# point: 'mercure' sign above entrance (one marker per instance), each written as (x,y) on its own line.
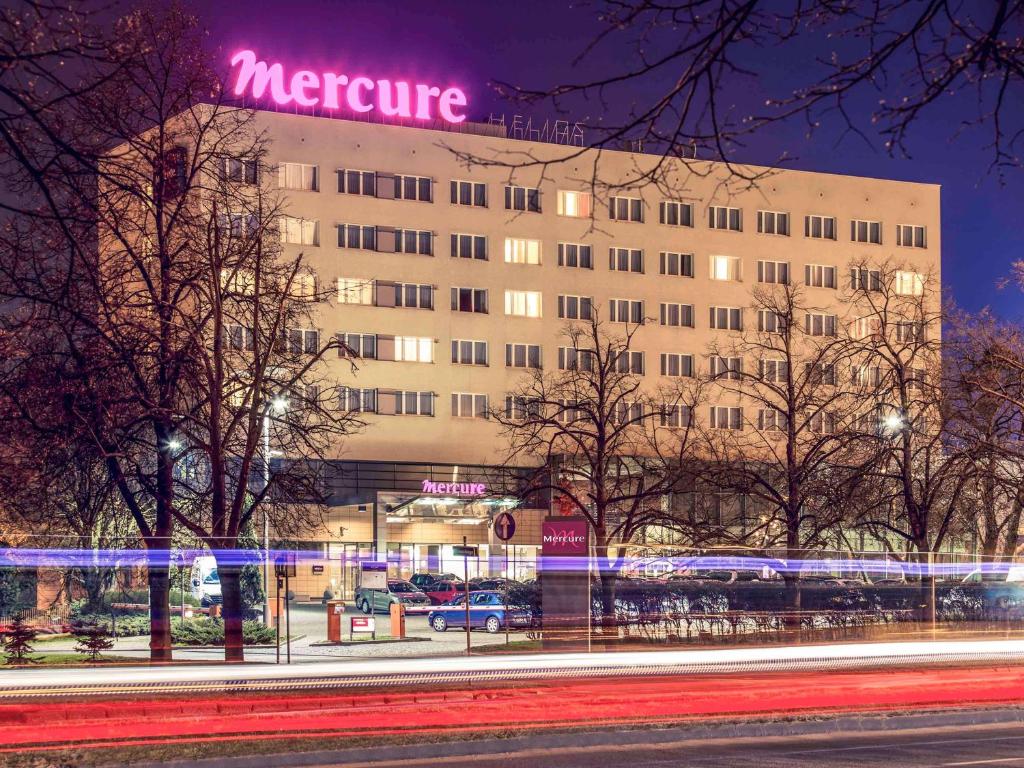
(330,90)
(455,489)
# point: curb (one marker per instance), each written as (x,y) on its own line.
(810,725)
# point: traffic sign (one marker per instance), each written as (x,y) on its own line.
(505,526)
(460,550)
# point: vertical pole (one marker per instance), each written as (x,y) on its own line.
(277,623)
(287,621)
(465,575)
(266,523)
(505,612)
(931,576)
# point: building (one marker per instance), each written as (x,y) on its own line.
(450,279)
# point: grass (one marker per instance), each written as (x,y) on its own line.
(65,659)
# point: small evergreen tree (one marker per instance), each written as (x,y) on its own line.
(92,639)
(18,641)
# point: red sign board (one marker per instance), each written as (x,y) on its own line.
(565,536)
(362,624)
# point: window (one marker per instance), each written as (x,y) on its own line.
(355,290)
(676,364)
(675,213)
(522,355)
(820,373)
(238,338)
(726,367)
(575,255)
(625,260)
(469,246)
(522,198)
(723,217)
(680,315)
(574,307)
(240,282)
(572,359)
(629,361)
(239,170)
(357,182)
(771,419)
(298,176)
(419,241)
(405,402)
(820,227)
(303,287)
(626,311)
(862,231)
(866,328)
(862,279)
(414,349)
(675,264)
(909,331)
(910,236)
(727,318)
(238,224)
(521,408)
(356,236)
(467,405)
(301,341)
(363,345)
(469,352)
(358,400)
(773,223)
(725,267)
(519,250)
(818,324)
(822,423)
(569,412)
(472,193)
(773,371)
(725,417)
(414,188)
(626,208)
(820,276)
(523,303)
(675,415)
(769,321)
(625,412)
(575,204)
(916,378)
(866,375)
(773,272)
(299,231)
(909,283)
(469,300)
(414,295)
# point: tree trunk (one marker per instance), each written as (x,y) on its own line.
(94,582)
(159,613)
(926,585)
(793,600)
(231,594)
(608,573)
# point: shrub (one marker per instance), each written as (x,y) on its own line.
(18,641)
(93,639)
(211,632)
(133,625)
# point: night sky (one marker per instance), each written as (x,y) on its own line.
(532,44)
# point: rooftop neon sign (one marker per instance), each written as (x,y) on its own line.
(331,90)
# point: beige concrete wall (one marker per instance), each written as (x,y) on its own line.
(333,144)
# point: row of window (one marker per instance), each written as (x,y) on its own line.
(572,203)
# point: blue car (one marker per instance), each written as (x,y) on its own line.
(487,610)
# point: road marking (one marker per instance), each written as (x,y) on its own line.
(905,744)
(990,762)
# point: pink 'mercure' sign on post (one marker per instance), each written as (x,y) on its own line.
(330,90)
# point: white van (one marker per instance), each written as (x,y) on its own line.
(205,581)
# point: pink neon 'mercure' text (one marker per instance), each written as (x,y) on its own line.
(357,94)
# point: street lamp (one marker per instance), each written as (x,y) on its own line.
(277,405)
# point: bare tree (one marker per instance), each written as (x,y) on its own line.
(785,439)
(612,448)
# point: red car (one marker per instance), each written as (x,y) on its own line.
(442,591)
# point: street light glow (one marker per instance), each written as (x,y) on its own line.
(279,404)
(893,422)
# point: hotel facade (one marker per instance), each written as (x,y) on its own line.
(452,279)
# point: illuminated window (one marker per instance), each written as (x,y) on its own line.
(298,176)
(725,268)
(865,327)
(355,290)
(241,282)
(522,251)
(414,349)
(523,303)
(299,231)
(909,283)
(575,204)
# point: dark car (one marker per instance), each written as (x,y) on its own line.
(487,610)
(496,583)
(424,580)
(398,591)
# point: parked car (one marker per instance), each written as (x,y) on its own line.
(205,581)
(424,580)
(398,591)
(497,583)
(487,610)
(441,592)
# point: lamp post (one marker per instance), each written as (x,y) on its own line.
(278,404)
